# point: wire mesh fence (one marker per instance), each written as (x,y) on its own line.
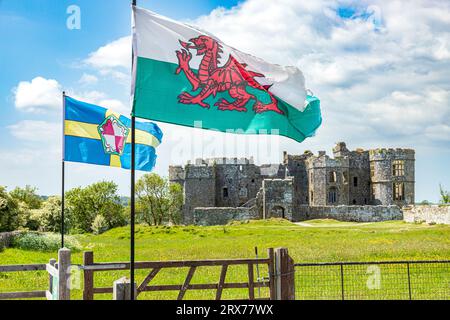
(402,280)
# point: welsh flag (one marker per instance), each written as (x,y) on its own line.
(183,75)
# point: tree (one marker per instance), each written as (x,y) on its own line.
(28,196)
(100,198)
(49,216)
(445,195)
(9,212)
(158,201)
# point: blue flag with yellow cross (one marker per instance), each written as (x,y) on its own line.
(97,135)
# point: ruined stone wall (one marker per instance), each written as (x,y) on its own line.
(177,175)
(382,177)
(6,238)
(359,178)
(241,181)
(352,213)
(320,185)
(439,214)
(296,167)
(221,216)
(278,198)
(199,189)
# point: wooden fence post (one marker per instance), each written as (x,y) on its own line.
(122,289)
(88,275)
(64,264)
(284,281)
(52,262)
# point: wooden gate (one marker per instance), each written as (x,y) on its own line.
(276,281)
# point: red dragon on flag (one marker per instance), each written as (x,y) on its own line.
(232,77)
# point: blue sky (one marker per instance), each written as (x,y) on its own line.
(379,67)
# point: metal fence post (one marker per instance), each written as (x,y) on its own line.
(409,281)
(342,281)
(64,264)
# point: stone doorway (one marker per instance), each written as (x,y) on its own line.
(277,212)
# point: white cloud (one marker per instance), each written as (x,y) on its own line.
(112,55)
(38,95)
(88,79)
(382,75)
(36,131)
(42,95)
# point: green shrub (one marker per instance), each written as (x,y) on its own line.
(99,225)
(38,241)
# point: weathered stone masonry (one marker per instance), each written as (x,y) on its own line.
(377,177)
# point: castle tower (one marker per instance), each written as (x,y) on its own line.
(328,180)
(392,176)
(176,175)
(199,189)
(358,173)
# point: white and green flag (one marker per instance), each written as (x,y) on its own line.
(182,75)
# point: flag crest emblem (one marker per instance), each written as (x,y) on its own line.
(97,135)
(114,134)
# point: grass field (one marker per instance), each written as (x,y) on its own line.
(312,241)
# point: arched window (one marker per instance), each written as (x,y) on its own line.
(332,177)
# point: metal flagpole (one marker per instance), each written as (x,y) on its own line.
(62,167)
(132,200)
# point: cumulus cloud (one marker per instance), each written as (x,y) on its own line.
(88,79)
(41,95)
(38,95)
(36,131)
(112,55)
(381,72)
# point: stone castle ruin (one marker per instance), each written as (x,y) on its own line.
(360,185)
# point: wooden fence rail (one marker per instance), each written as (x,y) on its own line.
(59,289)
(90,267)
(22,294)
(279,278)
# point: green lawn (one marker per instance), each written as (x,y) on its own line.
(313,241)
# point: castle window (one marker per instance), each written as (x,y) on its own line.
(399,191)
(312,196)
(354,201)
(355,181)
(398,168)
(332,177)
(311,176)
(253,180)
(225,192)
(240,168)
(332,195)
